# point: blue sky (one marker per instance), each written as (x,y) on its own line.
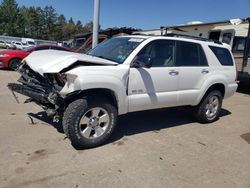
(147,14)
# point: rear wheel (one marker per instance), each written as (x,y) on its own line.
(89,124)
(209,108)
(14,64)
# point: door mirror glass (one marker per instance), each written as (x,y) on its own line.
(142,61)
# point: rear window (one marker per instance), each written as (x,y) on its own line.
(223,55)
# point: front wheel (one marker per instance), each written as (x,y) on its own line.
(14,64)
(89,124)
(209,108)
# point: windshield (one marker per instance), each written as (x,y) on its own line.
(116,49)
(30,48)
(31,43)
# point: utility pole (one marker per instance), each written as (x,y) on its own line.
(96,23)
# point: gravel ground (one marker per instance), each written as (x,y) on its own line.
(163,148)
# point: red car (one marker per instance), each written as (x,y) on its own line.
(12,58)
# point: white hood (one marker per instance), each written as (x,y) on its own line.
(53,61)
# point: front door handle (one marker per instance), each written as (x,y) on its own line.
(205,71)
(173,72)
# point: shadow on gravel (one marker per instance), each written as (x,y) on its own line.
(139,122)
(42,116)
(6,70)
(245,89)
(154,120)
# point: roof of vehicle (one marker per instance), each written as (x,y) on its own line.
(181,38)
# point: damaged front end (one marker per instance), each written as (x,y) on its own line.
(44,74)
(43,90)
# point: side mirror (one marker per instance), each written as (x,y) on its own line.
(142,61)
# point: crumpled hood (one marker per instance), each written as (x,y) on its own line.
(53,61)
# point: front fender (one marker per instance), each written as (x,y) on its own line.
(116,85)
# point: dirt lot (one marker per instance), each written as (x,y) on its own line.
(164,148)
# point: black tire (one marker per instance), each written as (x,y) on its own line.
(77,111)
(203,113)
(14,64)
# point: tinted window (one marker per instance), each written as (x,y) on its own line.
(190,54)
(239,44)
(223,55)
(226,38)
(31,43)
(161,53)
(42,48)
(58,48)
(215,35)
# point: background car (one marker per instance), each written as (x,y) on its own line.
(12,58)
(9,45)
(18,45)
(2,44)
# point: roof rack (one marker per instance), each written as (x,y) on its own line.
(192,37)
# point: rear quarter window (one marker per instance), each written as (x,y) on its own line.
(223,55)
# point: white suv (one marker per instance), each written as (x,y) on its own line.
(127,74)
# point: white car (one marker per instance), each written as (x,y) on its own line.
(19,45)
(2,44)
(9,45)
(127,74)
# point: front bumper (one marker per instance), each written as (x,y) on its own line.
(38,88)
(36,95)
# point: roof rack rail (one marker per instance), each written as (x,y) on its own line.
(192,37)
(143,34)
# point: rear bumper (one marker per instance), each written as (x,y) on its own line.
(231,89)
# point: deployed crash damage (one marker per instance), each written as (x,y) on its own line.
(42,79)
(41,90)
(85,91)
(44,86)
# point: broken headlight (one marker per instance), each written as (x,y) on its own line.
(59,78)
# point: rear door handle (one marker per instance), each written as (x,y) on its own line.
(205,71)
(173,72)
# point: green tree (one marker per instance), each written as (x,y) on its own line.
(50,17)
(88,27)
(35,22)
(21,24)
(60,24)
(40,23)
(9,14)
(69,30)
(78,27)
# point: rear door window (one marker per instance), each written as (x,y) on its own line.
(190,54)
(223,55)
